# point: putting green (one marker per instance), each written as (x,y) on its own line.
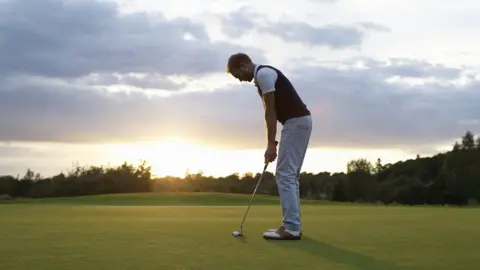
(151,232)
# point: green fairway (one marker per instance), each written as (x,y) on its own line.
(194,231)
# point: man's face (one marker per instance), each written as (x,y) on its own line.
(243,73)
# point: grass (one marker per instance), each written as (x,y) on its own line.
(163,199)
(193,231)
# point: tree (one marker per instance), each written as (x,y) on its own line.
(360,165)
(446,178)
(29,175)
(361,186)
(468,141)
(460,172)
(456,146)
(378,166)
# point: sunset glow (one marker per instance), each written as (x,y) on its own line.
(152,86)
(176,156)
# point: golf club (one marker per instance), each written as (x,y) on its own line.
(236,233)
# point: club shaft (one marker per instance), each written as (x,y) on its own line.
(253,195)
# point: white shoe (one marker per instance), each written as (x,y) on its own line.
(274,230)
(281,234)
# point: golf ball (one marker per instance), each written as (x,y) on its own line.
(235,233)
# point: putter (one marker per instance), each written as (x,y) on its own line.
(235,233)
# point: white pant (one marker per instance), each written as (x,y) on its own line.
(293,145)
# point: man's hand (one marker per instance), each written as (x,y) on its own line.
(271,152)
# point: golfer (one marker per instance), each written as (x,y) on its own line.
(281,103)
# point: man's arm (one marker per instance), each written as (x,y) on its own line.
(270,117)
(266,79)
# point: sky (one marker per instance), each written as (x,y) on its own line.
(91,82)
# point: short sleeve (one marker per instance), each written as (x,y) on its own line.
(266,79)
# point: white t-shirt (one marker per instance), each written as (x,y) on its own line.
(266,79)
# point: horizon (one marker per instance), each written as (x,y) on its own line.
(102,82)
(197,164)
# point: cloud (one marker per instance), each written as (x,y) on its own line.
(353,105)
(334,36)
(69,39)
(46,111)
(374,27)
(141,81)
(415,69)
(7,150)
(59,67)
(359,106)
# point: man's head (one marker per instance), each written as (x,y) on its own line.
(241,67)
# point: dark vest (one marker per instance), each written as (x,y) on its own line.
(287,102)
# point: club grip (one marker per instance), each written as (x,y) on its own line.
(266,163)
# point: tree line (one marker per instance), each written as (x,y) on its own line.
(451,178)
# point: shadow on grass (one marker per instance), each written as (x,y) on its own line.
(242,239)
(338,255)
(245,241)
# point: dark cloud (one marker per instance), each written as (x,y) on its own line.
(55,66)
(334,36)
(65,38)
(358,107)
(44,111)
(352,107)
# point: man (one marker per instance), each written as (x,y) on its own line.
(281,103)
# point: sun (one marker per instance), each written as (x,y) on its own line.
(173,146)
(168,157)
(175,156)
